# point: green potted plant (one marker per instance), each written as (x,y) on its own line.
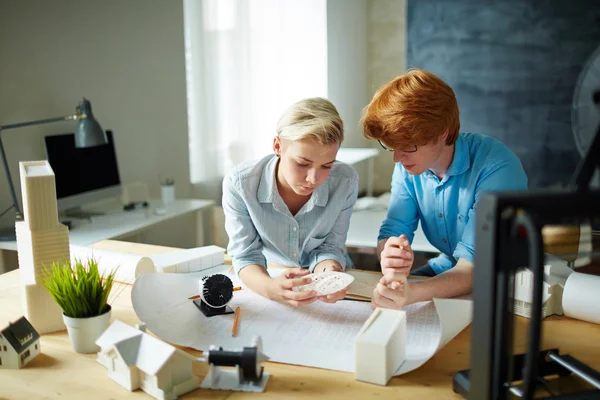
(82,293)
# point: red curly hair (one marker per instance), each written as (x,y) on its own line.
(414,109)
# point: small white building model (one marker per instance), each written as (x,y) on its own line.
(555,277)
(137,360)
(380,346)
(41,240)
(189,260)
(19,344)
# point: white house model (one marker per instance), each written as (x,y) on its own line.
(137,360)
(555,277)
(19,344)
(41,240)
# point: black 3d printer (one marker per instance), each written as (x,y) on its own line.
(509,236)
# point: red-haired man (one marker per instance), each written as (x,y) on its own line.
(438,178)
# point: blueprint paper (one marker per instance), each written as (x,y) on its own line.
(319,335)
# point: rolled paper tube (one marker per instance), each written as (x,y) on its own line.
(129,266)
(581,297)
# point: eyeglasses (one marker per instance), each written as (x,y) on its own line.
(409,149)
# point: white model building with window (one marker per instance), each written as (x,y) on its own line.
(41,240)
(137,360)
(555,277)
(19,344)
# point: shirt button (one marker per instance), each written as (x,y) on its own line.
(293,254)
(294,228)
(439,188)
(444,240)
(440,215)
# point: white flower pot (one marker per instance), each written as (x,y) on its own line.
(84,332)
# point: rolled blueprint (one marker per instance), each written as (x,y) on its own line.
(130,266)
(581,297)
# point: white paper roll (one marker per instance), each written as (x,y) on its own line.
(129,266)
(581,297)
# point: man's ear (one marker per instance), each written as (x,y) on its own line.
(277,146)
(445,135)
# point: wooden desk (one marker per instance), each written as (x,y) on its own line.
(59,373)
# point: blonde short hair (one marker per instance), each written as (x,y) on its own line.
(315,118)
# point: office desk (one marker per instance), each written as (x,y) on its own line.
(364,229)
(353,156)
(116,223)
(59,373)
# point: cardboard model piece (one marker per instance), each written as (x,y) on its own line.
(19,344)
(41,240)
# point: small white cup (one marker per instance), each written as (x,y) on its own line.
(167,193)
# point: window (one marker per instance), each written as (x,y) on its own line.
(36,346)
(24,356)
(5,348)
(246,61)
(0,360)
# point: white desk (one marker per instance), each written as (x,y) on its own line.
(364,229)
(117,223)
(354,156)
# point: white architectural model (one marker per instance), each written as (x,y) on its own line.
(19,344)
(190,260)
(555,277)
(137,360)
(41,240)
(380,346)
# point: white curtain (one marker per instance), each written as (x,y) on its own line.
(246,60)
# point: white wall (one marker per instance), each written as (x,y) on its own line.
(347,58)
(366,48)
(127,57)
(387,59)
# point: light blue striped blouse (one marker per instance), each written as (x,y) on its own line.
(261,228)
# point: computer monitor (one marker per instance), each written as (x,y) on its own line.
(83,175)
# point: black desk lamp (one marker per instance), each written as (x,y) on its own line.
(87,134)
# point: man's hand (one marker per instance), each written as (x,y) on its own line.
(325,266)
(391,291)
(280,288)
(397,256)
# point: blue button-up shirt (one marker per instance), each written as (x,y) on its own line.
(261,228)
(446,207)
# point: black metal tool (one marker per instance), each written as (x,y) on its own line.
(216,293)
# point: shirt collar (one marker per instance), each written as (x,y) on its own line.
(267,182)
(267,187)
(461,161)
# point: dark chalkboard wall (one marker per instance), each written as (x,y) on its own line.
(513,65)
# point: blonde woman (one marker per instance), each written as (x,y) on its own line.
(292,207)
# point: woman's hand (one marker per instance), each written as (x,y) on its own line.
(391,291)
(280,288)
(397,256)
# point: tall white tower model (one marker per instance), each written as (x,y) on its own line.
(41,240)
